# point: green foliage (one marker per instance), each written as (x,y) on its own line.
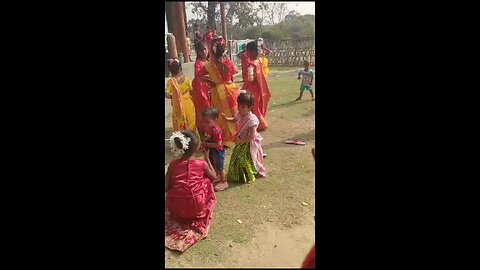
(250,20)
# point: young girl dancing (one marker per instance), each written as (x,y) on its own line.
(178,90)
(257,85)
(247,158)
(190,198)
(200,86)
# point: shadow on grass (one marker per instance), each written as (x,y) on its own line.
(306,137)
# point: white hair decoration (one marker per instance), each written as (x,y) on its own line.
(183,139)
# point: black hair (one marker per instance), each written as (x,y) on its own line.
(246,99)
(192,144)
(210,112)
(252,46)
(306,62)
(220,48)
(175,67)
(200,45)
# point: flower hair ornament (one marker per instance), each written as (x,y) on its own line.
(171,61)
(217,44)
(183,139)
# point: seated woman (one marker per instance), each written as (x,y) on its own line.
(190,198)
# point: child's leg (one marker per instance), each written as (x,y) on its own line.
(219,157)
(311,93)
(300,97)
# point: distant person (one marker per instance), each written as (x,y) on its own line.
(198,35)
(201,87)
(208,37)
(246,162)
(257,85)
(178,90)
(224,93)
(307,76)
(190,198)
(189,47)
(263,52)
(244,62)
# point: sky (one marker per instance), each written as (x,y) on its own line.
(303,8)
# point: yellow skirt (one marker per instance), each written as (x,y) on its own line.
(224,99)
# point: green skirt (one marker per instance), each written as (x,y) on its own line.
(241,166)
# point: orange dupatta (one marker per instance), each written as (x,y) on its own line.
(224,99)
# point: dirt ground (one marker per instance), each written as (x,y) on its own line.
(277,212)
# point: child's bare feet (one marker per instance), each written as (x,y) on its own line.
(298,99)
(221,186)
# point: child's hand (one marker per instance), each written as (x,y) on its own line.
(298,78)
(224,115)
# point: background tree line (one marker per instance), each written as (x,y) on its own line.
(250,20)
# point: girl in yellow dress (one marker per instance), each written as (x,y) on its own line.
(178,90)
(264,62)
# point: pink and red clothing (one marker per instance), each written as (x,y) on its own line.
(214,135)
(189,204)
(260,91)
(200,94)
(243,123)
(244,61)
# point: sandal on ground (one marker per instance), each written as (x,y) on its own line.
(221,186)
(264,155)
(296,142)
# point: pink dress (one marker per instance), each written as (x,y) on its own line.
(189,204)
(256,151)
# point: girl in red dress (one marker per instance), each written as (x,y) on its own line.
(190,198)
(257,85)
(200,86)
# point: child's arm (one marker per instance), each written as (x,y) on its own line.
(209,170)
(299,75)
(168,179)
(231,119)
(213,144)
(249,137)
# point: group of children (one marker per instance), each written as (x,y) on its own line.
(220,114)
(211,114)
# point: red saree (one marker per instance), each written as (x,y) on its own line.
(200,95)
(261,93)
(189,204)
(244,61)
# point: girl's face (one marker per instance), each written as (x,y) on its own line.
(243,109)
(202,54)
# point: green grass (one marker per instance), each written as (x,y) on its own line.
(276,199)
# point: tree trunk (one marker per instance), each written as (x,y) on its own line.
(211,14)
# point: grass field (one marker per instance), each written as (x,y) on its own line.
(277,229)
